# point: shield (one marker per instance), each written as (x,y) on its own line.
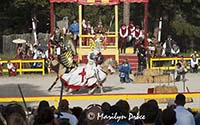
(18,41)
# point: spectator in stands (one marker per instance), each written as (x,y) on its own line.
(65,112)
(105,107)
(116,111)
(77,111)
(45,117)
(168,116)
(124,71)
(175,50)
(181,69)
(195,54)
(150,111)
(183,116)
(167,46)
(12,71)
(194,63)
(14,114)
(74,28)
(92,112)
(158,120)
(171,104)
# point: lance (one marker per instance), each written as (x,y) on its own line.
(61,95)
(111,22)
(159,29)
(20,90)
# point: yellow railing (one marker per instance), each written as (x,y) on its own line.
(22,69)
(103,97)
(167,63)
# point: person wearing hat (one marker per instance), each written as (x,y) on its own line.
(183,116)
(123,32)
(91,64)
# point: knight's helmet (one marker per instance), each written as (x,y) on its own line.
(99,57)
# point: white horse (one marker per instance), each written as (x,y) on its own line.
(77,77)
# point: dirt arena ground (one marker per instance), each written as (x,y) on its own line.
(37,85)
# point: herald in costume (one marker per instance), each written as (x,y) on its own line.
(123,32)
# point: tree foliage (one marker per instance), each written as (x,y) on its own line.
(180,17)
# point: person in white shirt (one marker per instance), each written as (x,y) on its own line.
(183,116)
(11,69)
(65,113)
(194,62)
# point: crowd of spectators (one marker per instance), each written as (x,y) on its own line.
(120,113)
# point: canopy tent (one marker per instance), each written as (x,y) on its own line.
(99,1)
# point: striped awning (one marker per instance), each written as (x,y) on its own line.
(98,2)
(135,1)
(62,1)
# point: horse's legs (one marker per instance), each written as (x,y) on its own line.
(69,90)
(91,91)
(53,84)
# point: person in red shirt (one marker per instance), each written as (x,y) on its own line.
(123,32)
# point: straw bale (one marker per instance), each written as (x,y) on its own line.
(143,79)
(162,79)
(166,89)
(152,72)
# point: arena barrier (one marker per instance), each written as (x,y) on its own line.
(131,98)
(168,63)
(24,65)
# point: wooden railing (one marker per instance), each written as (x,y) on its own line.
(19,64)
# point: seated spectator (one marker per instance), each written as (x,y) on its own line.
(105,108)
(180,71)
(14,114)
(171,104)
(77,111)
(65,113)
(92,112)
(150,111)
(45,117)
(124,71)
(183,116)
(168,116)
(194,63)
(12,71)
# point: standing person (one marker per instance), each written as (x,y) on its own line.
(175,50)
(131,29)
(74,28)
(195,54)
(141,58)
(167,46)
(194,62)
(183,116)
(123,32)
(124,71)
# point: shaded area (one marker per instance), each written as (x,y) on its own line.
(11,89)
